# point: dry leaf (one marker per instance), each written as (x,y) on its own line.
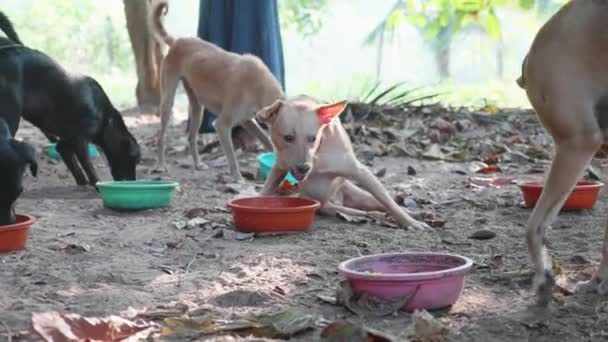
(351,219)
(72,248)
(434,152)
(282,324)
(426,328)
(482,234)
(56,327)
(481,182)
(364,304)
(345,331)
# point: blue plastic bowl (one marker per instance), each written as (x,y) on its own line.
(54,154)
(266,161)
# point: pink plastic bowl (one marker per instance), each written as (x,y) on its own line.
(439,277)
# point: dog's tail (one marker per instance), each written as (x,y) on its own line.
(158,10)
(7,27)
(521,80)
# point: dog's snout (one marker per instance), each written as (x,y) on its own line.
(303,168)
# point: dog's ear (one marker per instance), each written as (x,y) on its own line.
(269,113)
(327,112)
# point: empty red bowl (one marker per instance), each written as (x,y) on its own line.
(273,214)
(14,236)
(430,280)
(583,196)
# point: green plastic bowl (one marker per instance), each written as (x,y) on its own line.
(266,161)
(137,195)
(54,154)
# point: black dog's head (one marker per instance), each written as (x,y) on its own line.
(118,144)
(120,147)
(14,157)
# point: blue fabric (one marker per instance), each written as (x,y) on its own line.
(243,26)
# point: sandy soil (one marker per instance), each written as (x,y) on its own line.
(86,259)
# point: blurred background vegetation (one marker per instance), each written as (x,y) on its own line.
(470,51)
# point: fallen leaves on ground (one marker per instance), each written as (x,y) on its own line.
(228,234)
(495,182)
(482,234)
(426,328)
(282,324)
(57,327)
(196,222)
(72,248)
(364,304)
(345,331)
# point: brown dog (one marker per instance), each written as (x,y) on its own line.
(566,79)
(312,144)
(231,85)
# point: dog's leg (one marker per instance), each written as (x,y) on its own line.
(224,133)
(169,82)
(254,128)
(332,209)
(366,179)
(571,158)
(355,197)
(66,150)
(195,111)
(599,282)
(275,177)
(82,153)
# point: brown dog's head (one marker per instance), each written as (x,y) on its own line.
(295,126)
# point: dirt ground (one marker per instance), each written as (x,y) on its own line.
(83,258)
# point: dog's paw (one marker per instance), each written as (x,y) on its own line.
(544,283)
(418,225)
(595,285)
(201,166)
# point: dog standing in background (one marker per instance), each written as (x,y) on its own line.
(233,86)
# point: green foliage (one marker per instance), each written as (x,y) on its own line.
(303,15)
(88,37)
(436,16)
(395,95)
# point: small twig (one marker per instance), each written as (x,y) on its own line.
(8,331)
(190,263)
(179,279)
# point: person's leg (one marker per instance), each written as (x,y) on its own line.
(243,26)
(215,26)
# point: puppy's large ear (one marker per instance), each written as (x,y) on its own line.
(269,113)
(27,154)
(326,113)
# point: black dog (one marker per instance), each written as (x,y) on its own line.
(14,157)
(69,110)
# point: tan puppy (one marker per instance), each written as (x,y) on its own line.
(231,85)
(311,143)
(566,79)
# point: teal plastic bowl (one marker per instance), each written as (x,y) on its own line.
(54,154)
(137,195)
(266,161)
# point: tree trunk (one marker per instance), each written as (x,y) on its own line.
(379,54)
(146,50)
(500,60)
(442,51)
(442,59)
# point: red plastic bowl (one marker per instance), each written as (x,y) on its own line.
(583,196)
(14,236)
(273,214)
(435,280)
